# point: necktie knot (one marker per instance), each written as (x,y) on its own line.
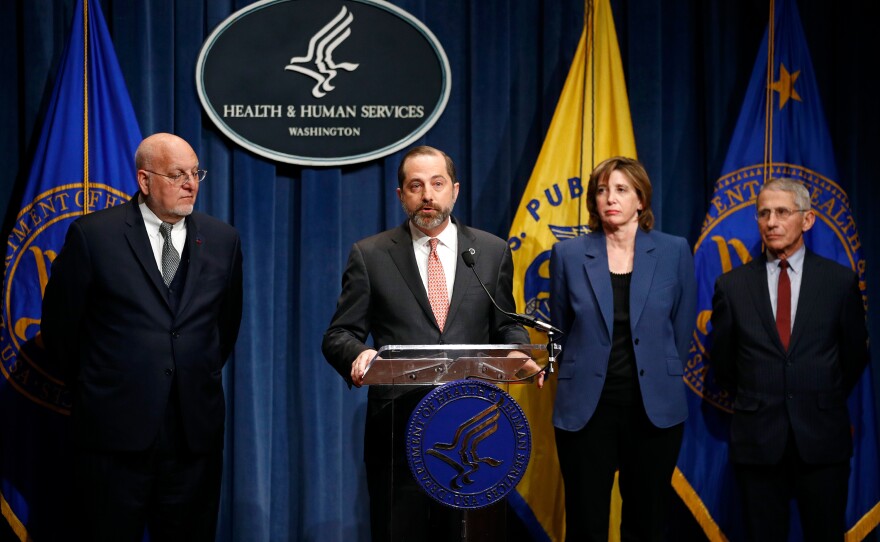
(165,230)
(783,264)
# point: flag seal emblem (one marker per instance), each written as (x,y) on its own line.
(468,444)
(732,209)
(31,248)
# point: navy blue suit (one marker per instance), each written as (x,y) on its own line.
(108,319)
(144,364)
(790,432)
(600,430)
(803,389)
(662,316)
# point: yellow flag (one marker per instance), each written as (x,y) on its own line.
(591,123)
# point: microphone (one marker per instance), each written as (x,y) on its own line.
(524,319)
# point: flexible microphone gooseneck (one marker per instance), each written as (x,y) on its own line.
(524,319)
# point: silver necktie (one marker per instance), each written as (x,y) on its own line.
(170,257)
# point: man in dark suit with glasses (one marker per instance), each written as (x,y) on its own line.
(142,310)
(789,338)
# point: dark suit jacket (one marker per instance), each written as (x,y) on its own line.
(107,320)
(383,296)
(804,389)
(662,315)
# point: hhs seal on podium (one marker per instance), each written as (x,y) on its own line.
(468,444)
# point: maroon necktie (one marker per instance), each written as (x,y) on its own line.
(783,304)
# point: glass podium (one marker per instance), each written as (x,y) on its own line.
(450,427)
(438,364)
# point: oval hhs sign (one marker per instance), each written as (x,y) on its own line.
(323,83)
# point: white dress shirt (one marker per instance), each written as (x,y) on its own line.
(152,222)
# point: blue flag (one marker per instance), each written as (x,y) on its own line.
(781,132)
(84,162)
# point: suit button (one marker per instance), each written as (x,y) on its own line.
(790,396)
(175,334)
(169,372)
(637,342)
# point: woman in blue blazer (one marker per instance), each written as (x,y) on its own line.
(625,297)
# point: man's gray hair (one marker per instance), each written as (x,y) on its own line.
(785,184)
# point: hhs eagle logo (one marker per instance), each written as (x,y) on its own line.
(468,444)
(318,62)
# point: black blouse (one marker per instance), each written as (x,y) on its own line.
(621,385)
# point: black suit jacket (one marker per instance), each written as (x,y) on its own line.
(108,321)
(383,296)
(803,390)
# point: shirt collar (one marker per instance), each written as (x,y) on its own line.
(795,261)
(447,237)
(152,222)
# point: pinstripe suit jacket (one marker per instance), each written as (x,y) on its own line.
(801,391)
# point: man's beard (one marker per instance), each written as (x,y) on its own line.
(425,222)
(181,210)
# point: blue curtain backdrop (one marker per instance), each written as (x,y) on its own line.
(293,469)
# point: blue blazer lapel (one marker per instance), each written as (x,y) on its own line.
(644,264)
(596,267)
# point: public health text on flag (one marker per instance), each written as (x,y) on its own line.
(781,132)
(592,122)
(84,162)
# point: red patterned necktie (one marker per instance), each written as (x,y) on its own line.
(783,304)
(437,293)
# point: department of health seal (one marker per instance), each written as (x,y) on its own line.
(468,444)
(35,240)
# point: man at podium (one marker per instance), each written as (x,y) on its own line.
(404,286)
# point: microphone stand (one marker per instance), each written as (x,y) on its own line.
(522,319)
(551,354)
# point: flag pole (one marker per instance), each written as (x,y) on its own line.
(768,109)
(85,18)
(589,69)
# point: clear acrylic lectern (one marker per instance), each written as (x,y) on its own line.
(435,364)
(475,515)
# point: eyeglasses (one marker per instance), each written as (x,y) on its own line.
(782,213)
(182,178)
